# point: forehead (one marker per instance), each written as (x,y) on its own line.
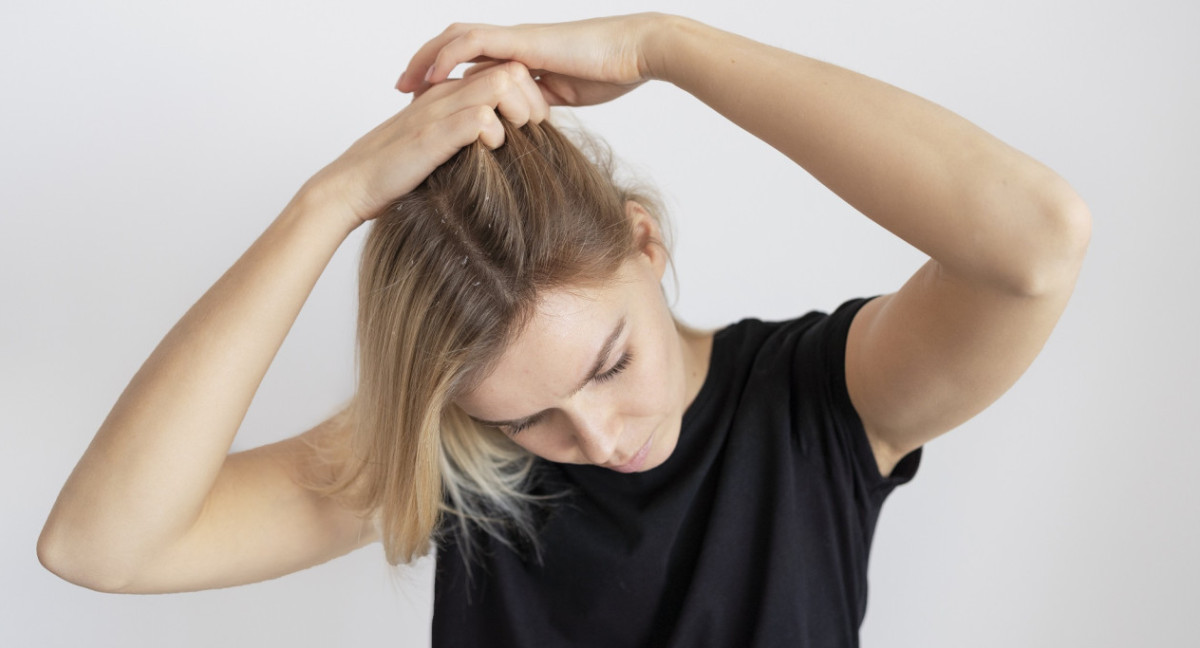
(554,351)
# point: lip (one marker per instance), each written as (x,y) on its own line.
(637,461)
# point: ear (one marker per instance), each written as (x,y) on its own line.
(647,237)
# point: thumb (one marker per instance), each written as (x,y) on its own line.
(557,89)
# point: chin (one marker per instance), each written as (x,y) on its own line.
(662,444)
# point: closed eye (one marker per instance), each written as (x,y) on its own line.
(616,369)
(514,428)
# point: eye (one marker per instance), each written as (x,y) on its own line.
(515,428)
(616,369)
(622,364)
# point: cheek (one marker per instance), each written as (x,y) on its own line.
(652,389)
(549,443)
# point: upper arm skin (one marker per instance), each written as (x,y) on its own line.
(923,360)
(258,523)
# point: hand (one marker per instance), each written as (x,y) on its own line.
(575,64)
(396,156)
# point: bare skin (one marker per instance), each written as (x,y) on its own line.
(157,504)
(625,417)
(1005,235)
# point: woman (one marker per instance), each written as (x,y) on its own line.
(511,285)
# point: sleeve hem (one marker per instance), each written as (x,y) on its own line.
(906,469)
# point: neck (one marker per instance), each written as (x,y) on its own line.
(697,350)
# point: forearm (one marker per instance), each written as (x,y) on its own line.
(980,208)
(146,475)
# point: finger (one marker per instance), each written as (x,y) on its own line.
(538,109)
(482,66)
(448,135)
(413,76)
(556,89)
(511,100)
(507,88)
(434,92)
(491,132)
(475,123)
(510,89)
(474,43)
(538,102)
(422,86)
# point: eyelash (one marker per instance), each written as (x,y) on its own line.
(514,430)
(621,365)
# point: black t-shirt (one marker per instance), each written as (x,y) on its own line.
(755,532)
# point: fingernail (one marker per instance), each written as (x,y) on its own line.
(429,74)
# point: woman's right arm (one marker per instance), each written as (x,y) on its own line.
(141,493)
(156,503)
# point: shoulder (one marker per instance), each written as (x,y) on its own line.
(791,375)
(799,359)
(817,336)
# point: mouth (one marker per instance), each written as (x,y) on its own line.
(637,461)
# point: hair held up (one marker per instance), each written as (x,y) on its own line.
(450,273)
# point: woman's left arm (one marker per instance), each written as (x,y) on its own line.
(1005,235)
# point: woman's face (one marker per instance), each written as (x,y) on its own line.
(598,376)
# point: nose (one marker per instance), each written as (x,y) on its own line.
(596,435)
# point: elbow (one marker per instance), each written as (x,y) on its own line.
(1053,254)
(73,564)
(1071,226)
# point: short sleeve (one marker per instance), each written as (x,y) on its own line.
(820,361)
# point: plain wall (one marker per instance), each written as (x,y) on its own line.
(143,147)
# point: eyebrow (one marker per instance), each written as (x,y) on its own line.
(605,351)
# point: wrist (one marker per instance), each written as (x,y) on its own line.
(665,41)
(317,206)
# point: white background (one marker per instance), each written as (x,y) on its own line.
(144,145)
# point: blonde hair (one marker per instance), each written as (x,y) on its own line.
(450,274)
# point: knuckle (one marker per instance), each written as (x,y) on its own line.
(493,137)
(500,81)
(516,69)
(473,35)
(484,115)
